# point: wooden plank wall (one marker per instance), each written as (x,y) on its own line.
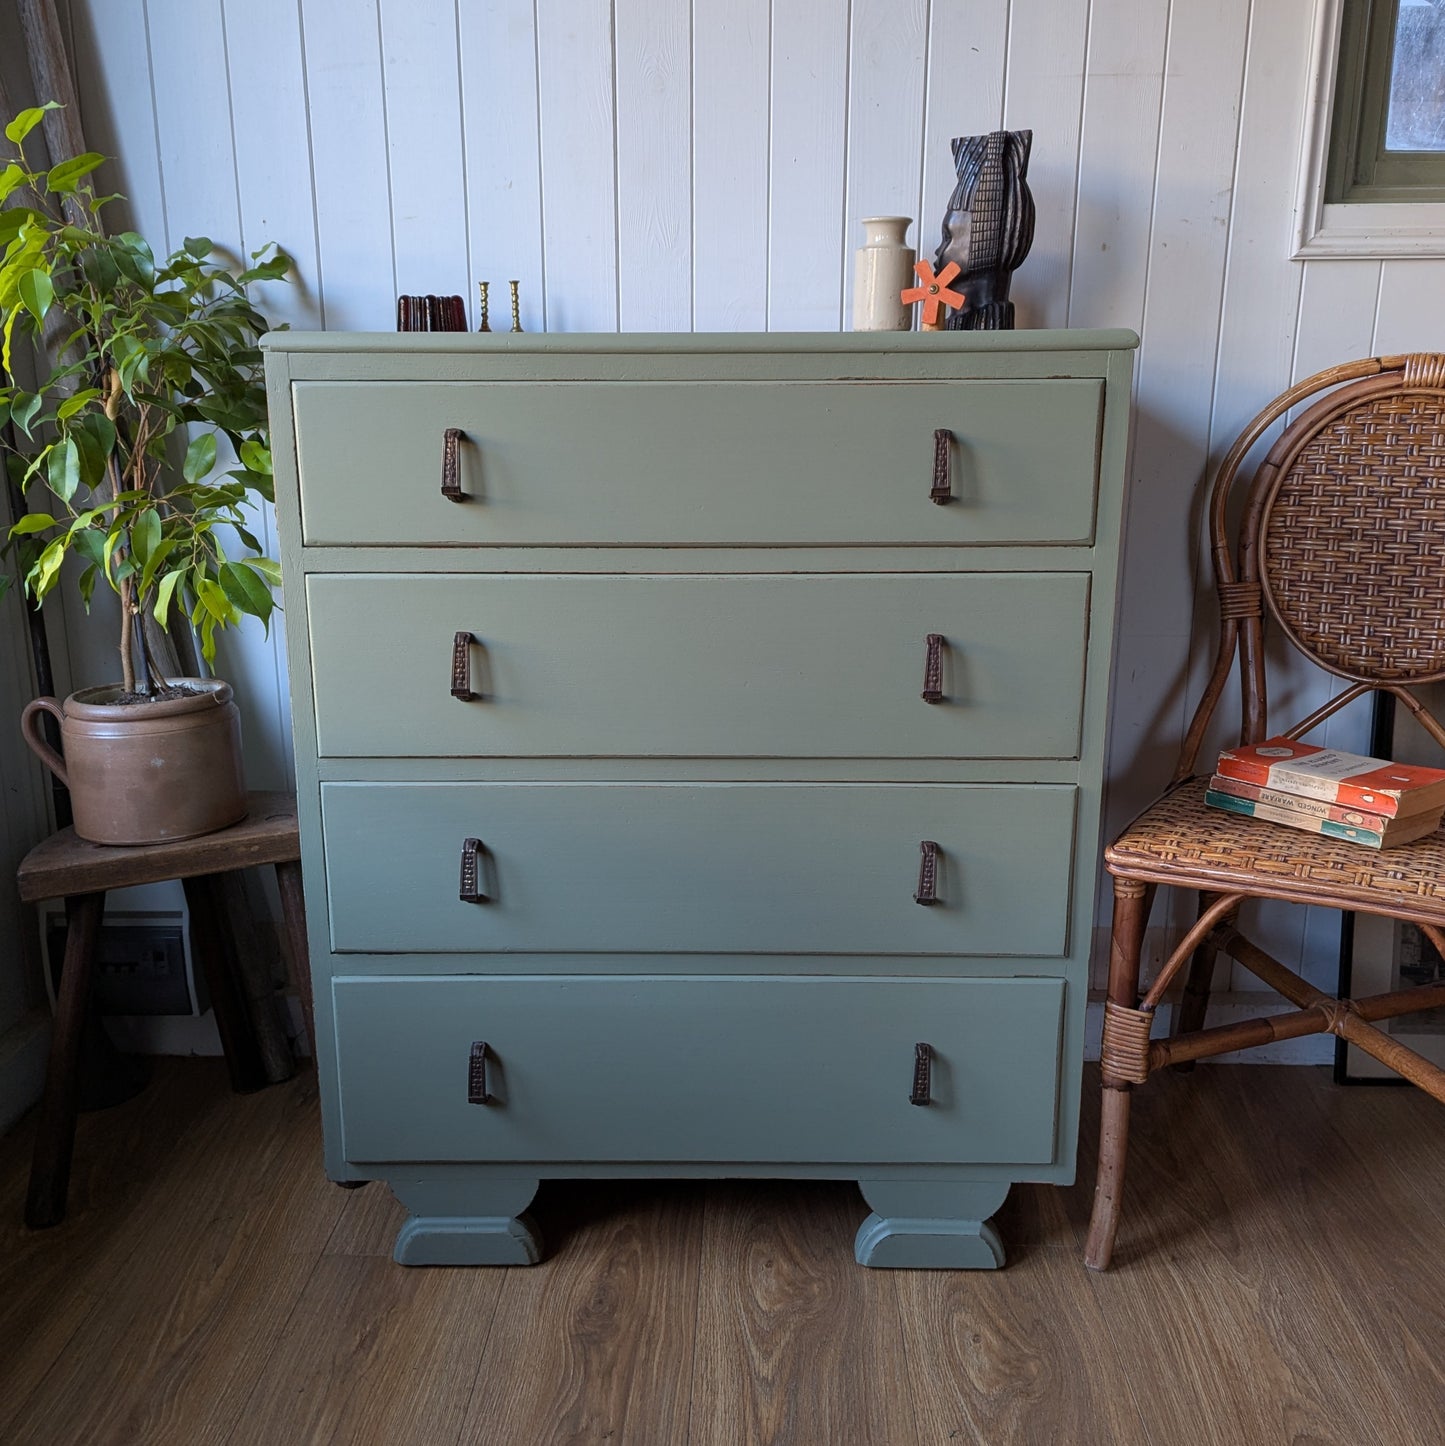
(689,164)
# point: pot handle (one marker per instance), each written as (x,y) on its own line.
(30,728)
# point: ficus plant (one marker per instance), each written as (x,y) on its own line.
(143,369)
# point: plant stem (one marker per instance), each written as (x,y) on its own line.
(127,666)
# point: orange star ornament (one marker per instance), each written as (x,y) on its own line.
(933,291)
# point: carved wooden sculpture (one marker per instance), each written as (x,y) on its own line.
(989,226)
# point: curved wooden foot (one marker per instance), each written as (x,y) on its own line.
(927,1225)
(468,1240)
(467,1222)
(1109,1187)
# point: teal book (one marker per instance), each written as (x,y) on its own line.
(1307,823)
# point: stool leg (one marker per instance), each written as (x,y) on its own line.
(293,920)
(55,1131)
(238,1038)
(1131,914)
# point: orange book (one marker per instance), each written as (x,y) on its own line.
(1313,807)
(1392,790)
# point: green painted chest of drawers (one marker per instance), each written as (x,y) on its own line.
(699,743)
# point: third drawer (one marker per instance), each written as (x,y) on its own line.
(677,868)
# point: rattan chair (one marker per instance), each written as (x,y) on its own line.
(1341,544)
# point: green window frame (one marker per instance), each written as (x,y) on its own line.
(1360,169)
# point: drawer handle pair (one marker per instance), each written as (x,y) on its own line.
(462,668)
(478,1092)
(941,492)
(470,890)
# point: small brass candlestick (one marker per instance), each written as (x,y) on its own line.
(484,324)
(516,306)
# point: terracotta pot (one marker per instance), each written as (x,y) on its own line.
(143,773)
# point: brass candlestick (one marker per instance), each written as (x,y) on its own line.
(516,306)
(484,324)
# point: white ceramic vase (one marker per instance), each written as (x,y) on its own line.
(882,267)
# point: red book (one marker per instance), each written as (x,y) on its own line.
(1392,790)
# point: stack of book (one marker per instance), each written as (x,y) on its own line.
(1366,801)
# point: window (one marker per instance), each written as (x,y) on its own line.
(1387,134)
(1372,171)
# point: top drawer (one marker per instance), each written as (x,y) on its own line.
(702,464)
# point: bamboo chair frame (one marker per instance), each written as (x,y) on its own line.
(1339,546)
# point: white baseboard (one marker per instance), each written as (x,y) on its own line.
(23,1052)
(1230,1009)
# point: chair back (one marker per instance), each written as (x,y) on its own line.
(1341,542)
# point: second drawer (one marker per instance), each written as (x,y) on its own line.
(698,666)
(700,868)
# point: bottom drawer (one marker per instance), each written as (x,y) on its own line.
(650,1069)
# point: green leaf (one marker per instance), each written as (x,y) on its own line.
(199,246)
(273,270)
(200,458)
(249,538)
(84,520)
(255,457)
(86,583)
(77,402)
(145,534)
(62,178)
(165,592)
(27,120)
(23,409)
(37,291)
(215,602)
(247,591)
(32,522)
(94,433)
(99,269)
(41,577)
(154,562)
(13,220)
(63,476)
(134,257)
(11,179)
(268,569)
(89,542)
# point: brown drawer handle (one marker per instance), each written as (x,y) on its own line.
(942,490)
(922,1092)
(477,1091)
(927,873)
(933,669)
(462,667)
(451,465)
(471,890)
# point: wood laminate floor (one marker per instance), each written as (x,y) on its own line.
(1280,1278)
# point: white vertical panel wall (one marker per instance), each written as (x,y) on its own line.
(677,164)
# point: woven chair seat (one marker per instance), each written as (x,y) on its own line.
(1180,840)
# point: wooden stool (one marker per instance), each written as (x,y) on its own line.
(64,866)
